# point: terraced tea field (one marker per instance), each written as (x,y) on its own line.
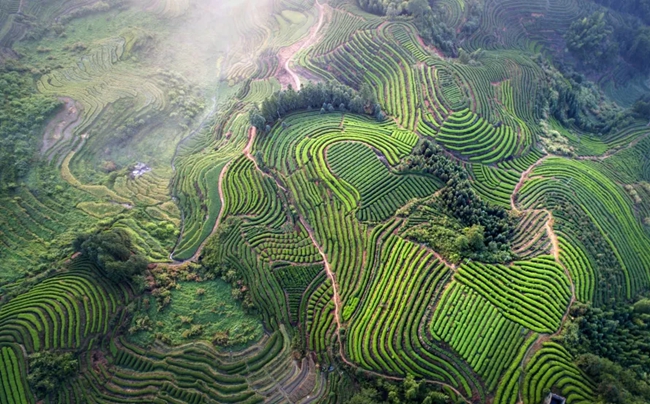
(311,202)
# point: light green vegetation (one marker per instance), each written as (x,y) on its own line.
(201,311)
(288,249)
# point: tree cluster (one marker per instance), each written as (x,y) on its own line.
(615,384)
(328,97)
(112,251)
(591,41)
(459,199)
(220,264)
(641,108)
(575,101)
(598,40)
(638,8)
(380,7)
(613,347)
(428,18)
(408,391)
(22,115)
(49,372)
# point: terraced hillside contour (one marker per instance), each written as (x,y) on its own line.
(307,220)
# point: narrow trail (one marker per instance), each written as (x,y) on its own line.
(252,132)
(337,310)
(304,45)
(197,254)
(524,177)
(555,251)
(611,153)
(332,277)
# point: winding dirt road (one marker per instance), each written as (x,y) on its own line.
(197,254)
(555,251)
(299,46)
(332,276)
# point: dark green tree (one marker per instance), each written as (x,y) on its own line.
(639,52)
(23,113)
(591,41)
(257,120)
(112,251)
(49,372)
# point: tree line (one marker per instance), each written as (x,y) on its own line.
(612,345)
(488,227)
(23,113)
(324,97)
(598,40)
(428,18)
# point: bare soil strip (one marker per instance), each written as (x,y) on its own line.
(287,54)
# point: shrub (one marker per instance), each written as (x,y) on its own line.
(49,371)
(111,251)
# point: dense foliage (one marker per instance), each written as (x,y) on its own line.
(641,108)
(639,8)
(22,114)
(573,100)
(620,31)
(620,333)
(49,371)
(613,346)
(113,252)
(409,391)
(487,225)
(328,97)
(590,40)
(217,265)
(432,26)
(428,19)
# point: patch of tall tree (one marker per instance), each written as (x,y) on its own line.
(573,100)
(114,253)
(601,39)
(322,97)
(612,345)
(428,18)
(591,41)
(409,391)
(23,113)
(489,227)
(50,371)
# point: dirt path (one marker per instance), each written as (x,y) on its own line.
(524,177)
(287,54)
(555,251)
(337,317)
(62,125)
(330,275)
(252,132)
(555,244)
(196,255)
(611,153)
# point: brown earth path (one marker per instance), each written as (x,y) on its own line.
(197,254)
(290,53)
(613,152)
(332,276)
(555,251)
(287,54)
(60,127)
